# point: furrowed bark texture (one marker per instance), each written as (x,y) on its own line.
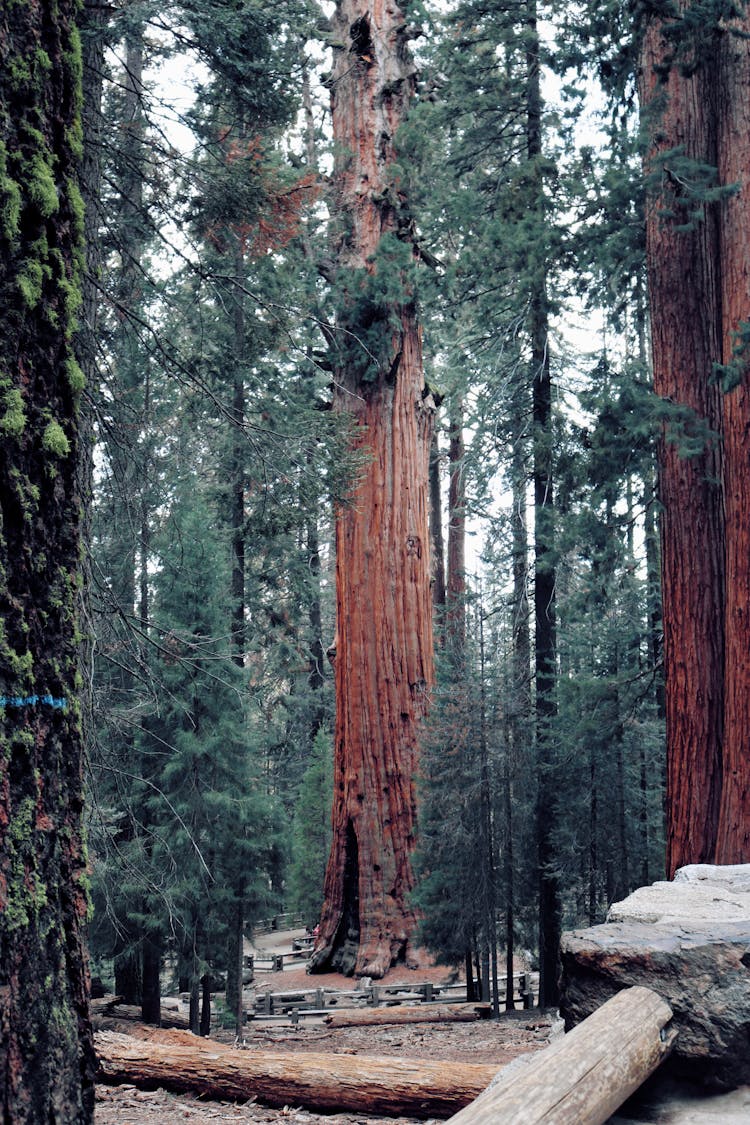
(699,274)
(46,1051)
(733,838)
(685,298)
(383,661)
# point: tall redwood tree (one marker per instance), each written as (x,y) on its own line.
(383,660)
(46,1051)
(733,835)
(694,96)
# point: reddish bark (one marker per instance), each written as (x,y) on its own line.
(383,663)
(683,271)
(733,838)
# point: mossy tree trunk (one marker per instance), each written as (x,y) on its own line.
(383,661)
(46,1051)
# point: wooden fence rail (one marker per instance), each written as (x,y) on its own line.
(318,1001)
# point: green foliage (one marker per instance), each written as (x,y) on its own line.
(687,187)
(730,375)
(451,846)
(311,832)
(692,31)
(373,299)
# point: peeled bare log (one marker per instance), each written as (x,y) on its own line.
(413,1013)
(182,1062)
(583,1077)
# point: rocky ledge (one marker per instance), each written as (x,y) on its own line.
(689,940)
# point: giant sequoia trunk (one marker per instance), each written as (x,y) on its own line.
(733,837)
(46,1051)
(698,273)
(683,272)
(383,660)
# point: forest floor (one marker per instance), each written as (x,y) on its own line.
(495,1042)
(486,1041)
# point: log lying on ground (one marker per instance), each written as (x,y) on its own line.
(103,1005)
(413,1013)
(111,1007)
(583,1077)
(183,1063)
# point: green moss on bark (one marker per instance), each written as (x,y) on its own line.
(13,421)
(54,440)
(42,1025)
(10,199)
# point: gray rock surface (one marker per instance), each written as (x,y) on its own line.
(688,940)
(663,1101)
(699,893)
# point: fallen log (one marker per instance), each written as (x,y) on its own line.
(414,1013)
(103,1005)
(183,1063)
(583,1077)
(112,1007)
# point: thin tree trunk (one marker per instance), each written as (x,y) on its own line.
(487,859)
(129,976)
(194,1004)
(471,993)
(653,592)
(455,624)
(519,706)
(545,642)
(384,661)
(685,295)
(593,856)
(205,1024)
(509,889)
(239,630)
(151,998)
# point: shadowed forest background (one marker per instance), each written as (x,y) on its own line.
(218,460)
